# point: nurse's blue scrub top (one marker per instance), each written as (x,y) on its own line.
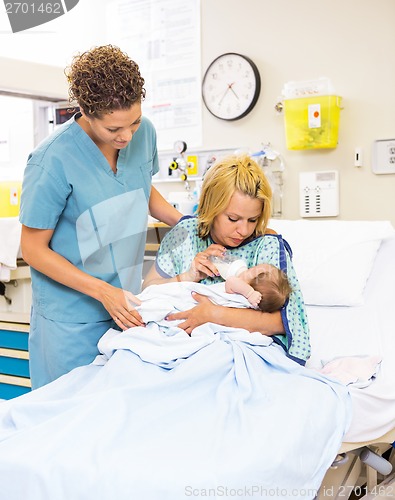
(99,218)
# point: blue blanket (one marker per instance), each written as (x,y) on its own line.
(161,415)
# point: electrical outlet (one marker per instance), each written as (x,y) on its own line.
(383,156)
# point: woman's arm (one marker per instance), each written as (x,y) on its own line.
(249,319)
(37,253)
(162,210)
(200,268)
(154,278)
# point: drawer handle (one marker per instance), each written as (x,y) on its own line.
(2,292)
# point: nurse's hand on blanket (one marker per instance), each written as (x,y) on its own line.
(120,304)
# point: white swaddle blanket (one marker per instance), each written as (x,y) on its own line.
(160,300)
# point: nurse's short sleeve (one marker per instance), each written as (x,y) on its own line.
(43,199)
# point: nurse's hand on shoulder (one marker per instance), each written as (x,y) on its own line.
(120,304)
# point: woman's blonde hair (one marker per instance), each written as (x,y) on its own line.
(104,79)
(230,174)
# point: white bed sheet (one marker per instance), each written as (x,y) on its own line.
(363,330)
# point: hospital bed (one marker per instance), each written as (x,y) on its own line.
(347,274)
(95,418)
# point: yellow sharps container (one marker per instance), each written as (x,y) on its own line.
(311,115)
(10,198)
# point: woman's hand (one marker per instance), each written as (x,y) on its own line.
(203,312)
(201,266)
(247,319)
(120,305)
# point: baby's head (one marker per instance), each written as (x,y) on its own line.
(273,285)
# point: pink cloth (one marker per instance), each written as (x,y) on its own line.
(357,370)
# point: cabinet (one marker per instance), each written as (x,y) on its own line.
(155,232)
(14,360)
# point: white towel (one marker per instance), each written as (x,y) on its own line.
(10,237)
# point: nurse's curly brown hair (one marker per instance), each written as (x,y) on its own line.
(104,79)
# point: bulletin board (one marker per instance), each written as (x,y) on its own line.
(163,37)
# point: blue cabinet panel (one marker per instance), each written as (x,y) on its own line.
(14,366)
(14,362)
(9,391)
(14,339)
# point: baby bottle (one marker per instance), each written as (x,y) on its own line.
(228,264)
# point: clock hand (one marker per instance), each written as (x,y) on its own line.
(223,96)
(231,88)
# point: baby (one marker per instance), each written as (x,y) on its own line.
(264,286)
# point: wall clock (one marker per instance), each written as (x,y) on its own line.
(231,86)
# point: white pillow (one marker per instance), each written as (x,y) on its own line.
(333,259)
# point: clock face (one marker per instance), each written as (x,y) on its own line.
(231,86)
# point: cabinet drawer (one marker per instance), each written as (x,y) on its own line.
(14,362)
(11,387)
(13,339)
(9,391)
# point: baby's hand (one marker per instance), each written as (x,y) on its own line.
(254,298)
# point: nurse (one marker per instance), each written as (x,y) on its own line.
(86,196)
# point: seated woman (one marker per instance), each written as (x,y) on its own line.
(233,213)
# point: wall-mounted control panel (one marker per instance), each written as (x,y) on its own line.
(198,162)
(383,156)
(319,193)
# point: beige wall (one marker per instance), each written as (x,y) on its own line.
(351,42)
(32,78)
